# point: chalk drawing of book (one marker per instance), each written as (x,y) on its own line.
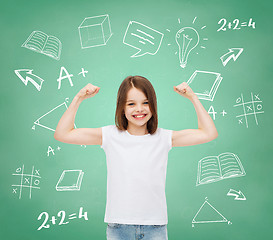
(208,214)
(50,119)
(205,84)
(70,180)
(216,168)
(42,43)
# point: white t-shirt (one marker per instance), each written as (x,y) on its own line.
(136,176)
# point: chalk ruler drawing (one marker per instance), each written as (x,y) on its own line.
(42,43)
(233,53)
(143,38)
(26,76)
(250,108)
(237,194)
(26,181)
(205,84)
(216,168)
(208,214)
(50,119)
(70,180)
(95,31)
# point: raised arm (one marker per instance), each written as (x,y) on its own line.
(65,131)
(206,129)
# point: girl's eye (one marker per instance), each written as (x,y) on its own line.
(130,104)
(146,102)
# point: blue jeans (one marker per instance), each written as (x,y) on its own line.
(117,231)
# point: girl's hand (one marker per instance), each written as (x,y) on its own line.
(88,91)
(184,90)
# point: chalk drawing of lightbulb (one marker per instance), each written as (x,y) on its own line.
(187,38)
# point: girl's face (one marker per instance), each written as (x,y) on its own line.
(137,110)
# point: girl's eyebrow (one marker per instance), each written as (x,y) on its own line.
(131,100)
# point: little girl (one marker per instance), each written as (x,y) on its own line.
(137,155)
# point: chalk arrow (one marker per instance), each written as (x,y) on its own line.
(238,195)
(233,53)
(26,76)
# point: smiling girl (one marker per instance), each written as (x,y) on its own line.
(137,155)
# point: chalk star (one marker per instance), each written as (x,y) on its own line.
(224,113)
(58,148)
(83,72)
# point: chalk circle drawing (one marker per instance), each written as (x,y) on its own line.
(205,84)
(216,168)
(187,38)
(237,194)
(143,38)
(50,119)
(70,180)
(233,53)
(26,76)
(208,214)
(249,108)
(24,180)
(95,31)
(42,43)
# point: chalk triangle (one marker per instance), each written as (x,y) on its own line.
(51,118)
(208,214)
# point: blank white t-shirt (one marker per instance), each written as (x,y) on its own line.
(136,176)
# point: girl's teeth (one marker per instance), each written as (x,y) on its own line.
(139,116)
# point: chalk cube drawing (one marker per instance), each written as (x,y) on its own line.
(95,31)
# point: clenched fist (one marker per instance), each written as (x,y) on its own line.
(88,91)
(184,90)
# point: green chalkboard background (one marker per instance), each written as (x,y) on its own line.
(23,145)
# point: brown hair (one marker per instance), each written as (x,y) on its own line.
(146,87)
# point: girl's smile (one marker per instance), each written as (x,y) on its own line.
(139,116)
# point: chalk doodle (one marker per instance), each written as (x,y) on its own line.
(248,109)
(208,214)
(26,76)
(212,112)
(216,168)
(62,77)
(237,194)
(187,39)
(83,72)
(235,24)
(62,215)
(27,181)
(205,84)
(95,31)
(233,53)
(51,150)
(143,38)
(42,43)
(70,180)
(50,119)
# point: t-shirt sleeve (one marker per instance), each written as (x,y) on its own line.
(167,135)
(106,134)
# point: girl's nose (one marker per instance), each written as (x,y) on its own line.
(139,107)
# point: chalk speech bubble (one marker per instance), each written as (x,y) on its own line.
(143,38)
